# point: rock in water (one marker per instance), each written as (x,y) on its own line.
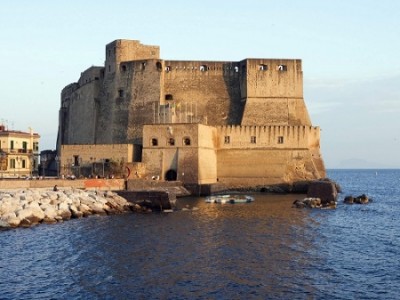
(325,190)
(362,199)
(348,200)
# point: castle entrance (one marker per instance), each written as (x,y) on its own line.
(170,175)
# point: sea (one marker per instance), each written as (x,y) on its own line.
(260,250)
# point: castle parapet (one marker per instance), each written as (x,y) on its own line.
(274,137)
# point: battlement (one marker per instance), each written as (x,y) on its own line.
(128,50)
(278,137)
(91,74)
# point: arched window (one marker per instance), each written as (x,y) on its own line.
(123,68)
(154,142)
(282,68)
(167,69)
(171,141)
(159,66)
(263,67)
(186,141)
(171,175)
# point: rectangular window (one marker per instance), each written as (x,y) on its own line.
(76,160)
(12,163)
(280,139)
(35,146)
(23,164)
(25,146)
(253,139)
(120,93)
(227,139)
(12,145)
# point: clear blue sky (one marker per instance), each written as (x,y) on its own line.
(350,51)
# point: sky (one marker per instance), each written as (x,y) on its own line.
(350,51)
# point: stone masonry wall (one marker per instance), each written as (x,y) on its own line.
(88,154)
(210,91)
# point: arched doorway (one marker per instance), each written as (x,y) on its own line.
(170,175)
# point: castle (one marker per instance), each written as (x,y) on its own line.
(232,123)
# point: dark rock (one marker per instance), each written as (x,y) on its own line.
(300,187)
(338,187)
(348,200)
(362,199)
(330,205)
(323,189)
(307,203)
(76,214)
(65,214)
(298,204)
(25,223)
(155,200)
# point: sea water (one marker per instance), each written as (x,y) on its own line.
(260,250)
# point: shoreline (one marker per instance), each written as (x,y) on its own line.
(29,207)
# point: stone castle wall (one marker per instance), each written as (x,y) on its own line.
(258,103)
(233,155)
(74,156)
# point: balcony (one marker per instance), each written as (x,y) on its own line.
(16,151)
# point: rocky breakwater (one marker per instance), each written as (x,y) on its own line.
(25,208)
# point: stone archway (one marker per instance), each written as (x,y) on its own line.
(171,175)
